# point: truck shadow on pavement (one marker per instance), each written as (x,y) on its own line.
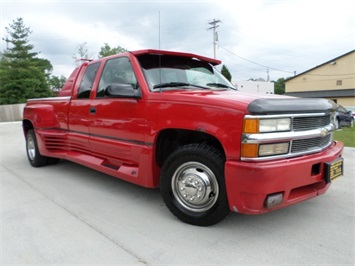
(103,194)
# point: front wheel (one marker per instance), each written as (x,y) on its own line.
(192,185)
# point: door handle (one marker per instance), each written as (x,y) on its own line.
(92,110)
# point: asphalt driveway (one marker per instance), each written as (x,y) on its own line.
(69,214)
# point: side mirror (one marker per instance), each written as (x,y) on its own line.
(121,91)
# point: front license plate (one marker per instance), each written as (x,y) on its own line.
(334,170)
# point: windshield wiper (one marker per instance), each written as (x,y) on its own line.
(176,84)
(170,84)
(219,85)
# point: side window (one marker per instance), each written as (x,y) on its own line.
(87,81)
(116,71)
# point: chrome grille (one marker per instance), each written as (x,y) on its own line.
(309,123)
(304,145)
(309,133)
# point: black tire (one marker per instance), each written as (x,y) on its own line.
(52,160)
(192,185)
(33,155)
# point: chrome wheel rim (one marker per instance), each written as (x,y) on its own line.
(195,187)
(31,148)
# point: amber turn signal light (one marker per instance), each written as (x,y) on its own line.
(251,126)
(250,150)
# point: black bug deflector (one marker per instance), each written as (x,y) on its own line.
(265,106)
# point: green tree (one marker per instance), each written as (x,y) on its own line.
(280,86)
(107,50)
(56,84)
(22,74)
(225,72)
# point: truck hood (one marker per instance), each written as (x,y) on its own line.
(257,104)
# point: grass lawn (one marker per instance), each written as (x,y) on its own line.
(346,135)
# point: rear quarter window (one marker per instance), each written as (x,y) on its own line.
(87,81)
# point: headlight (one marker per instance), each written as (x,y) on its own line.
(271,125)
(273,149)
(253,150)
(256,125)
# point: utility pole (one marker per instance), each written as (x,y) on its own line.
(7,42)
(159,27)
(214,26)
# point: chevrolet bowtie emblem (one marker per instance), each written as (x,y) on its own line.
(324,132)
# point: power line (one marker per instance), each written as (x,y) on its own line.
(255,63)
(268,67)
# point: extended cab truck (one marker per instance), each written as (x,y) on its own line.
(170,120)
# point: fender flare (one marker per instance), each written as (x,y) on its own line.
(41,116)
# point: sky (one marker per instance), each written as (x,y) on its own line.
(256,38)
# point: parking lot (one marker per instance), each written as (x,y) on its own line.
(69,214)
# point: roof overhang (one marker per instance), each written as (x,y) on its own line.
(323,93)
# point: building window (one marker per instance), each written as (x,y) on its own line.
(339,82)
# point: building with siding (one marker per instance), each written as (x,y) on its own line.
(257,86)
(334,79)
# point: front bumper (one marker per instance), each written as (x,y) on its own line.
(249,183)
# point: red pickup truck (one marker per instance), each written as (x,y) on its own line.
(170,120)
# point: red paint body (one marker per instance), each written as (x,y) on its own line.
(120,138)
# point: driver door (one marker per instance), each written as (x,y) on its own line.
(117,125)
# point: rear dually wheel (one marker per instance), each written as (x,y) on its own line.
(33,154)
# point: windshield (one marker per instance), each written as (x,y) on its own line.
(164,72)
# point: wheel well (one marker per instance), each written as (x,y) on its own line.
(171,139)
(26,125)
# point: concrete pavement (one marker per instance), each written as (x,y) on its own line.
(69,214)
